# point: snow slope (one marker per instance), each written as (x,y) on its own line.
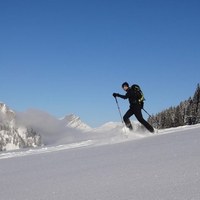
(162,166)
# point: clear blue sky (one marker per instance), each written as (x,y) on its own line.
(66,57)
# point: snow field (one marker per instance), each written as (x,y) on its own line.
(163,166)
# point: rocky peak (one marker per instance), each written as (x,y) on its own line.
(6,113)
(13,136)
(74,121)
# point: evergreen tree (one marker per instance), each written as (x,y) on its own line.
(187,112)
(196,102)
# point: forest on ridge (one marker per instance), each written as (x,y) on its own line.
(186,113)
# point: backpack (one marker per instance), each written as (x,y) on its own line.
(138,93)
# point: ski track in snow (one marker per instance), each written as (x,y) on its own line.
(124,136)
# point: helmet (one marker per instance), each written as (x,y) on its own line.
(125,84)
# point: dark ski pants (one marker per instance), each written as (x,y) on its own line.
(136,110)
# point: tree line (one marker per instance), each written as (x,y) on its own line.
(186,113)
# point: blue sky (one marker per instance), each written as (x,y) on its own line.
(70,56)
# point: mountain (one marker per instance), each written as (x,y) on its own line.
(13,136)
(74,121)
(54,131)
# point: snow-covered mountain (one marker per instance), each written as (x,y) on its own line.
(13,136)
(74,121)
(54,131)
(6,113)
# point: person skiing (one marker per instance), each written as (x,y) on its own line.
(136,107)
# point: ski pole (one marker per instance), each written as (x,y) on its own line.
(151,117)
(120,115)
(119,110)
(147,112)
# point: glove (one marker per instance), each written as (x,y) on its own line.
(115,94)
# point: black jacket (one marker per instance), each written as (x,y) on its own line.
(131,96)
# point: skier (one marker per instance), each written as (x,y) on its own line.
(135,108)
